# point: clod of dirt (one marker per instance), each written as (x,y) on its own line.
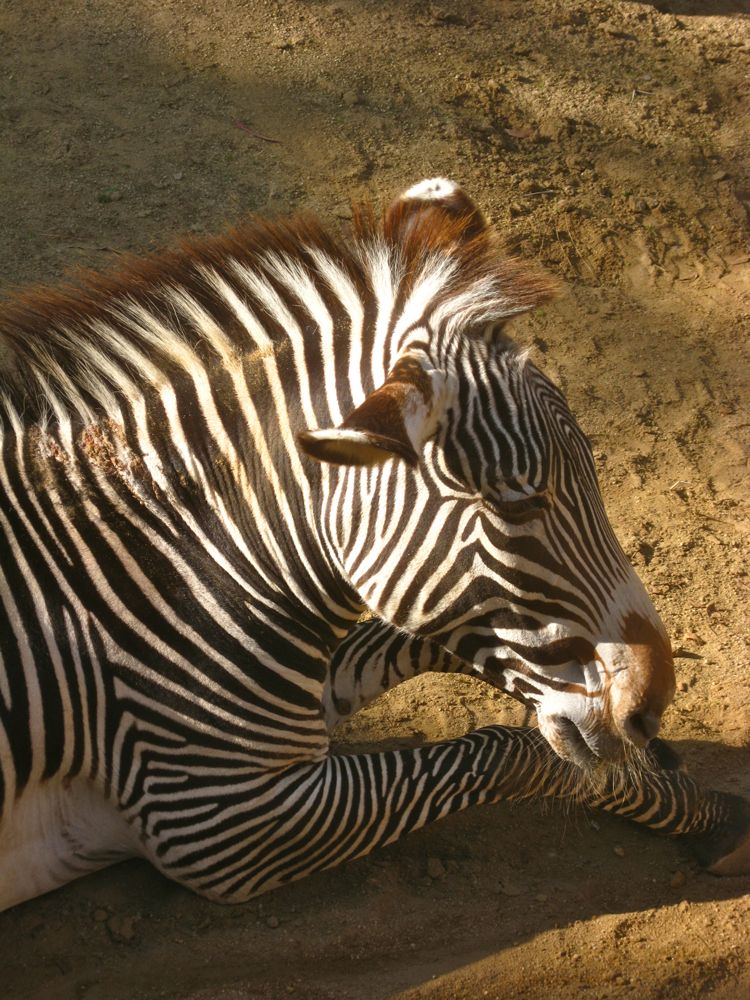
(122,929)
(678,879)
(435,868)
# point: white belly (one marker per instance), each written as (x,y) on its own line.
(55,833)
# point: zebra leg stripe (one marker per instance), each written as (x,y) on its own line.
(714,825)
(374,658)
(316,816)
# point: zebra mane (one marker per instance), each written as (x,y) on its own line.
(80,345)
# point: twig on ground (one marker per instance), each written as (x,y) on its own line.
(255,135)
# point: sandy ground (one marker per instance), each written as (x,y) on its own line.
(609,140)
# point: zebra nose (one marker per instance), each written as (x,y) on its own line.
(641,727)
(644,687)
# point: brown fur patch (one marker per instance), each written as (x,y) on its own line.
(383,413)
(656,678)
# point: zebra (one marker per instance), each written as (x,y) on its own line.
(213,464)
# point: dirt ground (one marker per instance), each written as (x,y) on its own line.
(608,140)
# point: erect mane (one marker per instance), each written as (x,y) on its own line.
(52,339)
(479,254)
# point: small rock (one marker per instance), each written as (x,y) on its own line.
(343,210)
(272,922)
(100,915)
(694,638)
(541,897)
(677,880)
(552,126)
(449,17)
(351,98)
(521,132)
(435,868)
(619,851)
(289,43)
(510,889)
(720,175)
(121,928)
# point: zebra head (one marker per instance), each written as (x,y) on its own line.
(464,506)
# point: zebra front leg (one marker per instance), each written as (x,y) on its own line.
(284,825)
(374,658)
(271,828)
(714,825)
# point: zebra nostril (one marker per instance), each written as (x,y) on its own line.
(641,727)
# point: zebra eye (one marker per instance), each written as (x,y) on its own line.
(520,510)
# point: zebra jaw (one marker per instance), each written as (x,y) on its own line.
(569,742)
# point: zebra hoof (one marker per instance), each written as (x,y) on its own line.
(729,852)
(736,862)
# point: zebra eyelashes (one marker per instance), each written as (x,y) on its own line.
(520,510)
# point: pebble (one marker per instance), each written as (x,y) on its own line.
(677,880)
(121,928)
(694,638)
(272,922)
(619,851)
(435,868)
(720,175)
(343,210)
(289,43)
(100,915)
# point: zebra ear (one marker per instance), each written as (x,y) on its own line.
(438,210)
(394,421)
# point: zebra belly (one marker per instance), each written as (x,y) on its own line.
(55,833)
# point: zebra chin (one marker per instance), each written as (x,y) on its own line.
(588,747)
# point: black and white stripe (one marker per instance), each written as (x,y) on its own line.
(180,583)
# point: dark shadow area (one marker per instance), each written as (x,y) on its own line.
(535,870)
(698,8)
